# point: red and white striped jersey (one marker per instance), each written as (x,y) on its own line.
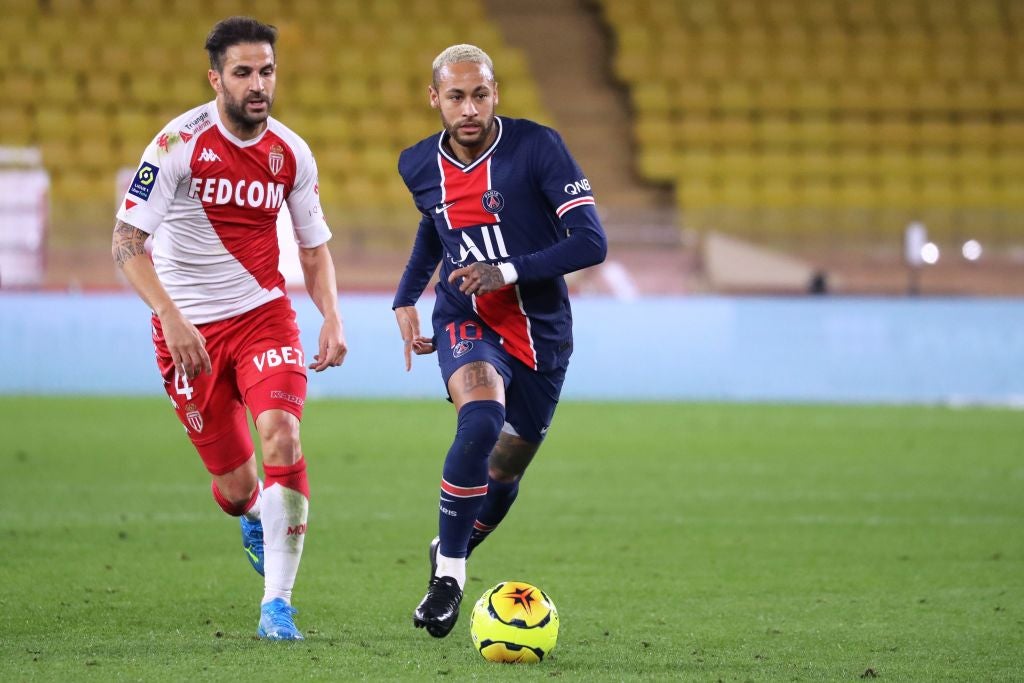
(211,200)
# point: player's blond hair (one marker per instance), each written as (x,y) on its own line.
(457,54)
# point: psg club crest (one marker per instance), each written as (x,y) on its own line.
(462,348)
(493,201)
(276,159)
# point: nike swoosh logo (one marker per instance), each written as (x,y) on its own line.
(440,208)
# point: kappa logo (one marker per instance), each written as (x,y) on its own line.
(208,155)
(441,208)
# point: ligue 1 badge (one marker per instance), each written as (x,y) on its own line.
(276,159)
(493,201)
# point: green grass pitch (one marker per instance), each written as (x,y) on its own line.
(679,541)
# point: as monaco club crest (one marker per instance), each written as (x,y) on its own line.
(276,159)
(194,417)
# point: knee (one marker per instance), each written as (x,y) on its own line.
(234,494)
(279,437)
(480,422)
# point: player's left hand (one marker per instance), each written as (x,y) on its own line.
(478,278)
(332,348)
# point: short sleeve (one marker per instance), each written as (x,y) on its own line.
(304,202)
(152,188)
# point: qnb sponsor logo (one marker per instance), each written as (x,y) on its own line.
(581,185)
(285,396)
(271,358)
(253,194)
(297,530)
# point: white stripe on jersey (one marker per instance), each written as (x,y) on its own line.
(572,204)
(211,202)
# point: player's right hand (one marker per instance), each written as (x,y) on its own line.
(409,325)
(187,346)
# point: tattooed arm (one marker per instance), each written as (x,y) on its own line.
(184,341)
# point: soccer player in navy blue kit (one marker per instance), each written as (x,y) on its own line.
(507,213)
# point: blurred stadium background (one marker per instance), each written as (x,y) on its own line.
(734,145)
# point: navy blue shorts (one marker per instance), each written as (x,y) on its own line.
(530,396)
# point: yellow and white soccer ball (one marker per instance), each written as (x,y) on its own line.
(514,622)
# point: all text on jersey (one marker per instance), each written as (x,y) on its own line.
(492,241)
(243,193)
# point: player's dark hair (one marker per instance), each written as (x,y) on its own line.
(235,31)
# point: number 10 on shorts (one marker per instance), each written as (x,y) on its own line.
(465,331)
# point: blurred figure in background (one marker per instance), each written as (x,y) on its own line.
(507,213)
(208,190)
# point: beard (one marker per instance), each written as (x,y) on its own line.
(236,110)
(475,139)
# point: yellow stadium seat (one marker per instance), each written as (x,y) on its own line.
(16,127)
(696,193)
(898,192)
(973,96)
(104,88)
(657,130)
(856,131)
(134,128)
(936,131)
(658,164)
(773,129)
(818,192)
(737,96)
(778,192)
(1009,96)
(812,163)
(1010,133)
(942,13)
(932,96)
(20,88)
(895,131)
(820,13)
(59,88)
(652,98)
(856,160)
(934,162)
(53,123)
(775,96)
(735,131)
(814,96)
(697,162)
(975,133)
(817,129)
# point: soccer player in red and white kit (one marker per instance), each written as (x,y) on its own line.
(208,191)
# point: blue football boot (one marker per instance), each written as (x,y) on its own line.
(276,621)
(252,542)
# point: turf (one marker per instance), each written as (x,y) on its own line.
(691,542)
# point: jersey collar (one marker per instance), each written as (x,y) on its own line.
(476,162)
(238,142)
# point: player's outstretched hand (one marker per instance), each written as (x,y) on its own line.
(332,346)
(478,278)
(409,325)
(186,344)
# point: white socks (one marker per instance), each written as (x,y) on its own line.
(454,567)
(284,512)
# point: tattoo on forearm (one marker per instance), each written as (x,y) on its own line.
(477,375)
(490,277)
(128,242)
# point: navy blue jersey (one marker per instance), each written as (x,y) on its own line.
(524,201)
